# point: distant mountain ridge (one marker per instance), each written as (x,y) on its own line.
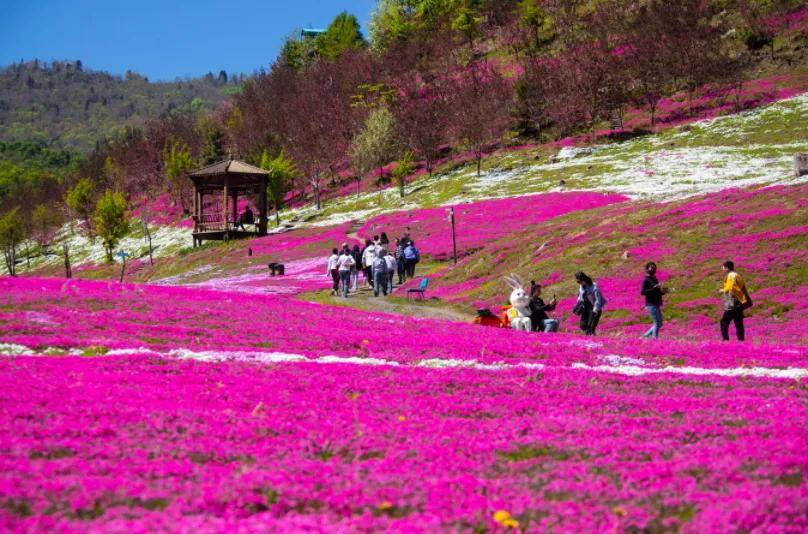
(68,106)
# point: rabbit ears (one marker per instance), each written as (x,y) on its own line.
(514,282)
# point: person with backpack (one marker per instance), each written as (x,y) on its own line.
(331,270)
(344,265)
(653,291)
(400,260)
(405,239)
(367,261)
(590,303)
(380,274)
(736,299)
(411,258)
(391,269)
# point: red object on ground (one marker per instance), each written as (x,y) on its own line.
(490,320)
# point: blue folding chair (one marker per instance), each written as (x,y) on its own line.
(420,290)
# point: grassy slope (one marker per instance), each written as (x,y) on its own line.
(764,230)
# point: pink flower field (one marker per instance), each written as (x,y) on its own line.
(188,409)
(144,443)
(228,403)
(479,223)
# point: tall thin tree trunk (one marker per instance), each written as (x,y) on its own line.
(538,124)
(68,270)
(123,267)
(690,101)
(9,262)
(149,238)
(738,95)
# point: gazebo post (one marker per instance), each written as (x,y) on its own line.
(234,198)
(262,207)
(225,206)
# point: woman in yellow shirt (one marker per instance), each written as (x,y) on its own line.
(734,296)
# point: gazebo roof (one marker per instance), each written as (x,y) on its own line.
(228,166)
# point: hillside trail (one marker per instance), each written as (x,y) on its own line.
(354,229)
(363,299)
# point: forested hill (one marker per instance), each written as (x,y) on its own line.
(68,106)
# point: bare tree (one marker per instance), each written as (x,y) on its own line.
(481,101)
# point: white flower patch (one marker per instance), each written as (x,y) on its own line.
(213,356)
(355,360)
(241,356)
(633,370)
(166,241)
(12,349)
(616,359)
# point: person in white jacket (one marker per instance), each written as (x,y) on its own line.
(331,270)
(344,264)
(368,255)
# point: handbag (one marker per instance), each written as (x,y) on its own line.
(748,304)
(579,308)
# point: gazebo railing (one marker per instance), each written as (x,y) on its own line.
(209,222)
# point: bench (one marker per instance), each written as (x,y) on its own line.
(208,222)
(420,290)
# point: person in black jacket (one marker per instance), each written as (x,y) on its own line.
(653,291)
(538,311)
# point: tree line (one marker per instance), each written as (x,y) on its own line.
(433,77)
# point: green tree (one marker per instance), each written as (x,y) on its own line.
(404,167)
(213,148)
(80,200)
(45,221)
(390,22)
(296,52)
(12,232)
(343,33)
(467,23)
(178,161)
(538,22)
(111,220)
(281,173)
(375,145)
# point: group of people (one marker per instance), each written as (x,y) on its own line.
(377,263)
(734,297)
(590,303)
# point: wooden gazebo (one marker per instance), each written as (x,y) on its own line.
(216,191)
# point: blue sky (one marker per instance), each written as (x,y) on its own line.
(162,39)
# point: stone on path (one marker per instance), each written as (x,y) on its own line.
(800,164)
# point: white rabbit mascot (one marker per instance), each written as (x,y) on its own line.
(519,314)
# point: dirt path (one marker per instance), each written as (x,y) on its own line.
(397,304)
(352,231)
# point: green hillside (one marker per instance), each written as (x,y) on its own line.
(68,106)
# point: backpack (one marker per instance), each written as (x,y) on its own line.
(411,253)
